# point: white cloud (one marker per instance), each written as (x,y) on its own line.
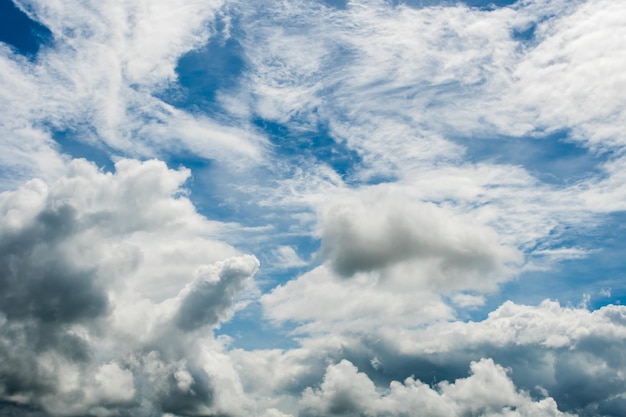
(326,302)
(468,300)
(572,78)
(570,354)
(287,257)
(486,392)
(99,80)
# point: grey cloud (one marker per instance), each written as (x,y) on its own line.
(572,355)
(37,280)
(209,297)
(78,318)
(10,409)
(186,398)
(380,229)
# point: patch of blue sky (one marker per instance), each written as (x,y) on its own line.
(340,4)
(248,331)
(72,143)
(594,280)
(316,145)
(203,72)
(18,30)
(552,158)
(525,34)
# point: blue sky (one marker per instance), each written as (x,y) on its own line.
(312,208)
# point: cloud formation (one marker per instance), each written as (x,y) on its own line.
(380,229)
(554,356)
(410,173)
(104,306)
(486,392)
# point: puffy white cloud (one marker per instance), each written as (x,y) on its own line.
(324,302)
(388,259)
(110,286)
(488,391)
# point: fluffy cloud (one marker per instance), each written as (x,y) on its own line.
(569,354)
(486,392)
(380,229)
(388,259)
(109,289)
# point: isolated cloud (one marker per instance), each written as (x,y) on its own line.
(105,281)
(388,260)
(379,229)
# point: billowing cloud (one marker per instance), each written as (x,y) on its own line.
(554,356)
(105,305)
(380,229)
(486,392)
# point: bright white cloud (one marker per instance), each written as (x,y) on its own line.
(486,392)
(101,77)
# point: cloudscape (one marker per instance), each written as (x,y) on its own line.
(312,208)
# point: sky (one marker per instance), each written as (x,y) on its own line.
(312,208)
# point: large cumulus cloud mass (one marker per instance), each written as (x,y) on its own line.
(103,303)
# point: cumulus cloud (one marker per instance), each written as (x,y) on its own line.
(486,392)
(378,229)
(324,302)
(554,356)
(105,306)
(388,260)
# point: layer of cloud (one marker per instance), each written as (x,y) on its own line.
(570,354)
